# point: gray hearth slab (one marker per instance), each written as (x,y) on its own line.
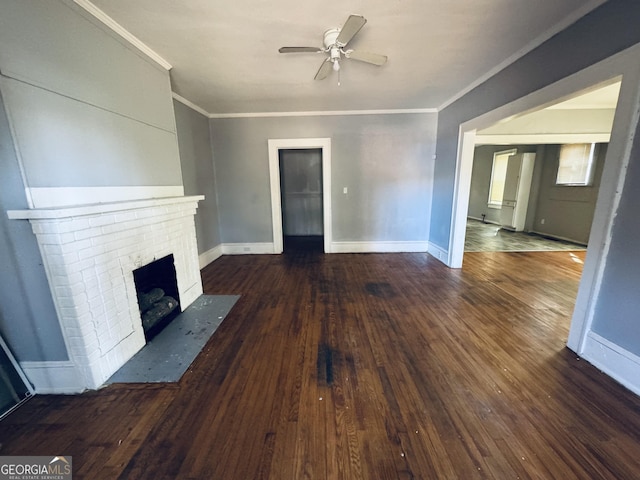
(168,355)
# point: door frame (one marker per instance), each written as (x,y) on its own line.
(277,144)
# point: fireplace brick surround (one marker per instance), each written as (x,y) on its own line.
(89,253)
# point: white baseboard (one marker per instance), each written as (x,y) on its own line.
(492,222)
(620,364)
(378,247)
(247,248)
(210,256)
(438,252)
(336,247)
(59,377)
(556,237)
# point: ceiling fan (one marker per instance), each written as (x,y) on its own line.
(335,40)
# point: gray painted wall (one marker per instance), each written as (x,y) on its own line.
(198,173)
(607,30)
(385,161)
(616,314)
(567,211)
(28,321)
(86,110)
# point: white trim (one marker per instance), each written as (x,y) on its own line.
(18,370)
(557,28)
(461,190)
(275,145)
(51,197)
(190,104)
(336,247)
(60,377)
(615,361)
(210,256)
(379,247)
(98,208)
(437,252)
(122,32)
(542,139)
(323,113)
(248,248)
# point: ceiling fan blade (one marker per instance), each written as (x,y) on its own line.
(300,50)
(367,57)
(352,26)
(325,70)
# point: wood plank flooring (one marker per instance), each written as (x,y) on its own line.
(370,366)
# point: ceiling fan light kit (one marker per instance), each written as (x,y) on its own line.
(334,40)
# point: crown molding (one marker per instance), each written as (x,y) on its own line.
(328,113)
(190,104)
(122,32)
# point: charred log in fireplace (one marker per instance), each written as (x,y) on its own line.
(157,291)
(154,306)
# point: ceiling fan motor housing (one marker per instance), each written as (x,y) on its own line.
(330,37)
(330,43)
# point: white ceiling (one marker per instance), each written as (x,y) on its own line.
(225,53)
(585,117)
(605,97)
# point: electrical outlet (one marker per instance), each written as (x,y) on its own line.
(247,249)
(345,190)
(542,221)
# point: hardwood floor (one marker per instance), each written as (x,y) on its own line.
(367,366)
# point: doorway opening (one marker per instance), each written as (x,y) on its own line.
(554,208)
(300,177)
(301,199)
(557,154)
(602,74)
(492,129)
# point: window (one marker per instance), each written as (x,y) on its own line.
(498,176)
(575,165)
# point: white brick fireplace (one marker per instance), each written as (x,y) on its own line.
(89,253)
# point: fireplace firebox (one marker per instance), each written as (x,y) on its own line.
(158,296)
